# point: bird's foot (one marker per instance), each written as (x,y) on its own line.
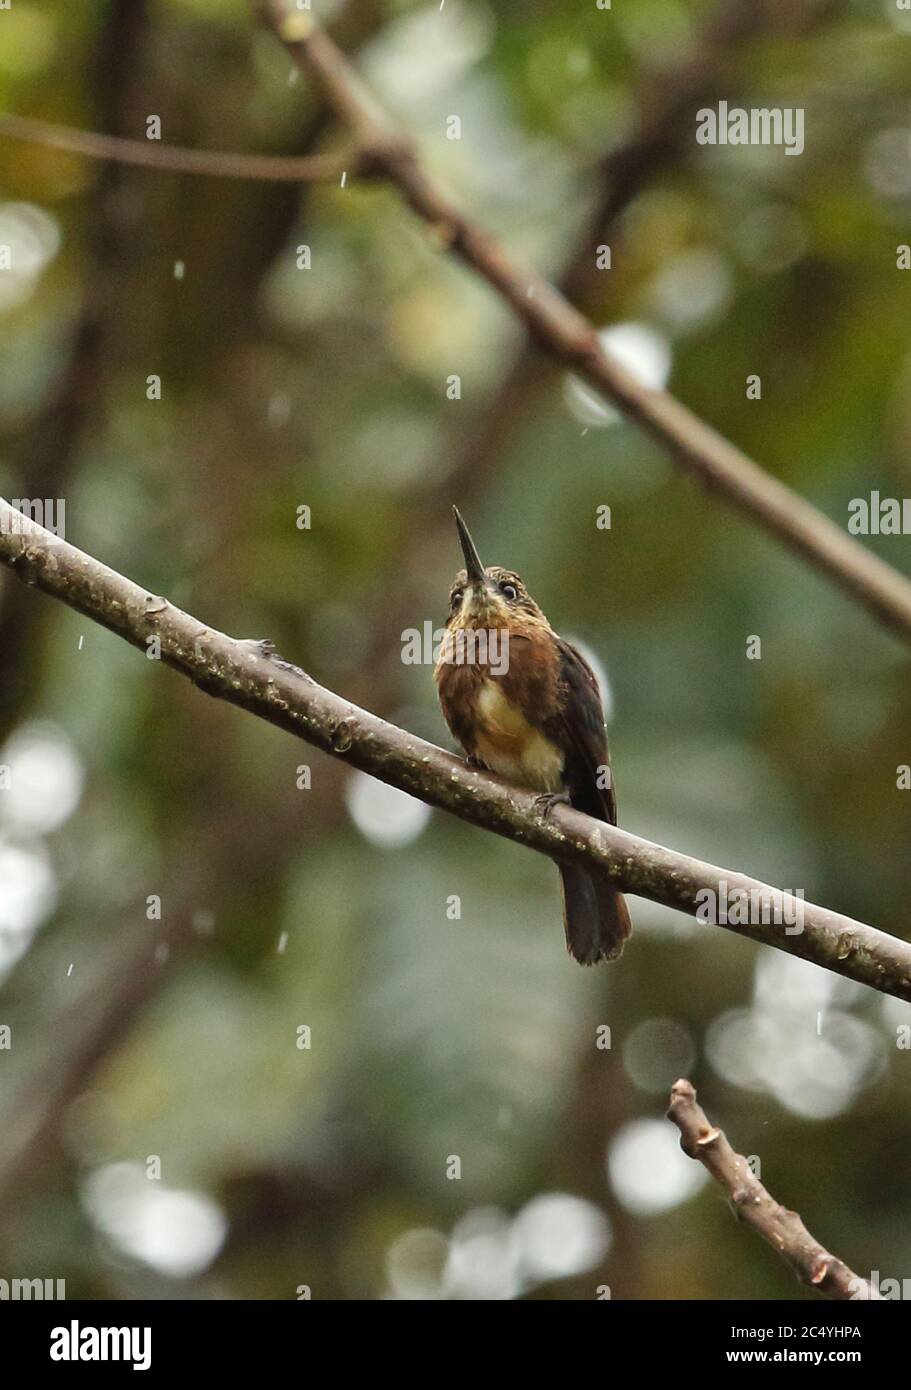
(476,763)
(546,802)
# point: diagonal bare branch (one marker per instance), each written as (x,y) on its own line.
(248,674)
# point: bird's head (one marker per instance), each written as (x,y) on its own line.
(490,597)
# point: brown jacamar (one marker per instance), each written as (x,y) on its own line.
(525,704)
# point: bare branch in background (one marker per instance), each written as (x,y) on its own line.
(314,168)
(782,1229)
(569,337)
(247,674)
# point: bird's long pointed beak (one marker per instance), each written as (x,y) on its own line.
(473,564)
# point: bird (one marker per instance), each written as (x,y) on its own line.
(525,704)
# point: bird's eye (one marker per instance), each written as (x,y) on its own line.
(509,591)
(456,599)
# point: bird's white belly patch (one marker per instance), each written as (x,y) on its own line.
(511,746)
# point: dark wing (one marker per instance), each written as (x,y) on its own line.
(579,728)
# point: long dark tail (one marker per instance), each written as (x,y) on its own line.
(595,915)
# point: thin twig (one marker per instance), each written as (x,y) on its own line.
(782,1229)
(312,168)
(247,674)
(569,337)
